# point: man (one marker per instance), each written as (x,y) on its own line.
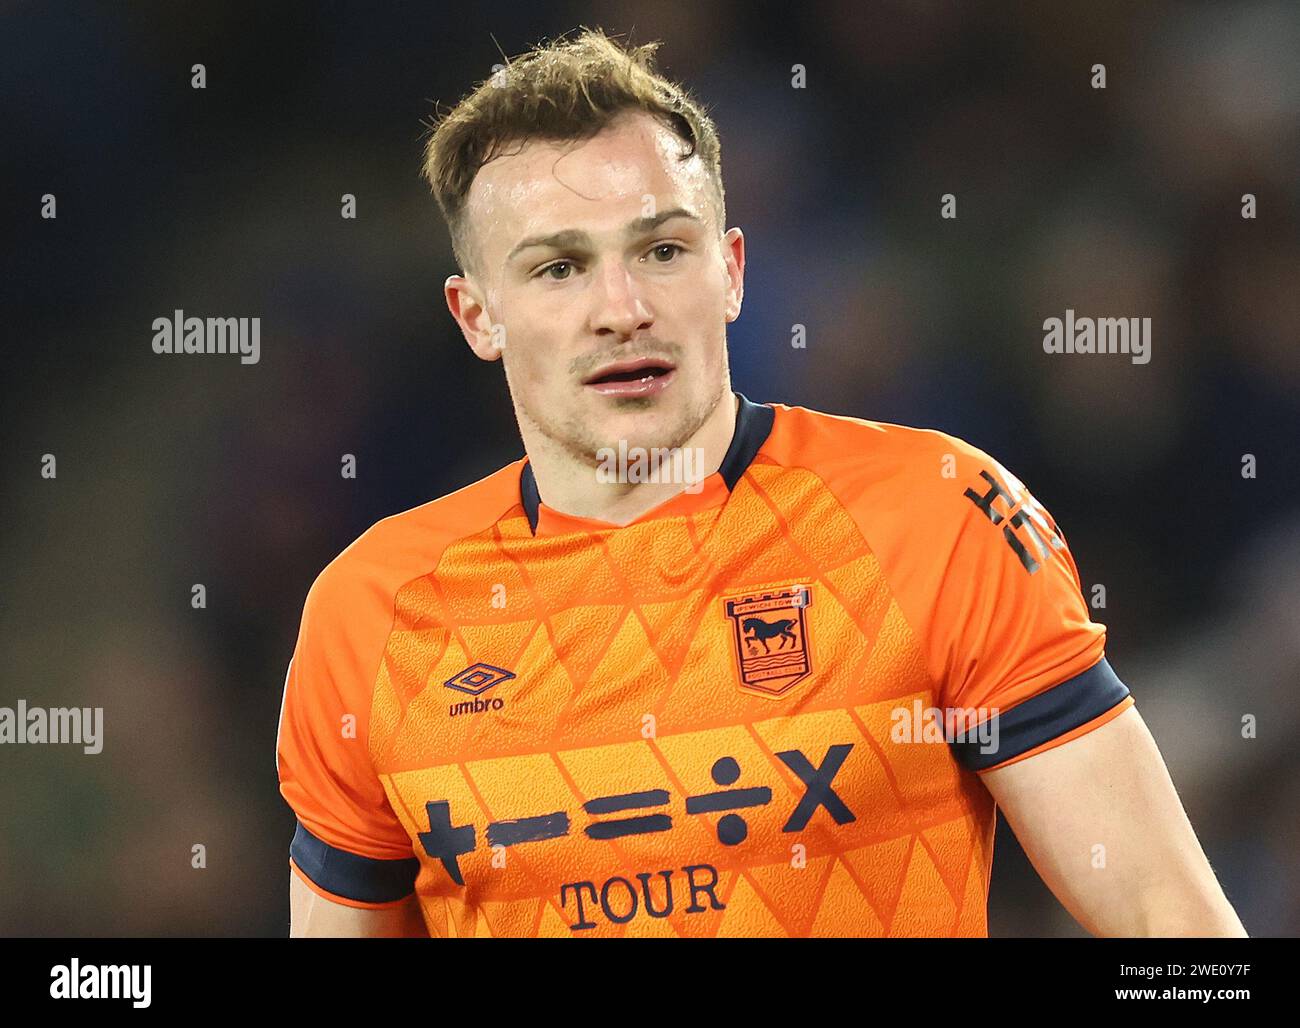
(695,666)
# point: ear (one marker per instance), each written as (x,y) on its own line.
(468,308)
(733,252)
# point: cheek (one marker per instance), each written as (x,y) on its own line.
(704,327)
(690,309)
(532,363)
(711,299)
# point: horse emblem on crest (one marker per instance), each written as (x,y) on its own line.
(770,631)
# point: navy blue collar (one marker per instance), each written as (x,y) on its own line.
(753,425)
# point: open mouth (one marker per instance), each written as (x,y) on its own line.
(630,371)
(632,378)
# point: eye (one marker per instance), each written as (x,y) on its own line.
(674,247)
(551,267)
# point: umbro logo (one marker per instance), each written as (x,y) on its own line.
(475,680)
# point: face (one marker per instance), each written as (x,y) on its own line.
(605,284)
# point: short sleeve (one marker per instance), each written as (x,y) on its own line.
(349,844)
(1012,635)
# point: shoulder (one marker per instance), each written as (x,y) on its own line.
(857,458)
(921,498)
(372,568)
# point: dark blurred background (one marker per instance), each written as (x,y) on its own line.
(1123,201)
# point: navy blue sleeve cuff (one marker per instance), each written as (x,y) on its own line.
(1042,718)
(350,875)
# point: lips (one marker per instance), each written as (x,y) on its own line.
(629,371)
(632,379)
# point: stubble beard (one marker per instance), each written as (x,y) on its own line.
(576,436)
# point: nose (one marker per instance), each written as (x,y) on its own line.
(618,307)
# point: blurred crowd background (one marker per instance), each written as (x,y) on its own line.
(1123,201)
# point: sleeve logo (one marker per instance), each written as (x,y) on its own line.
(1028,529)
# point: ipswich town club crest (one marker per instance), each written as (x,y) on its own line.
(770,630)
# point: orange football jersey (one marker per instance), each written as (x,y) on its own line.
(762,708)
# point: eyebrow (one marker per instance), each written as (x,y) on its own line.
(572,238)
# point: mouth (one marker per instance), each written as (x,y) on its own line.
(644,377)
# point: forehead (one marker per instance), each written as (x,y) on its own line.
(599,183)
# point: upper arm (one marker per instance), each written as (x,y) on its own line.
(1102,823)
(314,915)
(1011,644)
(350,847)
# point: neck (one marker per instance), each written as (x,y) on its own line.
(571,486)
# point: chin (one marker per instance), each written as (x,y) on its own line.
(658,428)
